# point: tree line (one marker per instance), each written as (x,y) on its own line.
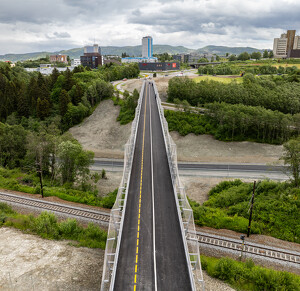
(67,96)
(281,93)
(237,69)
(44,151)
(235,123)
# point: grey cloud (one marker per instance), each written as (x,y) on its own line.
(215,19)
(62,11)
(58,35)
(62,34)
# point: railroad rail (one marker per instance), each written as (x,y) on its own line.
(249,248)
(56,207)
(203,238)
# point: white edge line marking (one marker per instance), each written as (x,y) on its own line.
(153,210)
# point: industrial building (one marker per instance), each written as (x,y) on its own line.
(159,66)
(287,46)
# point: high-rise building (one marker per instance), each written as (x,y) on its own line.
(147,47)
(92,49)
(92,57)
(287,46)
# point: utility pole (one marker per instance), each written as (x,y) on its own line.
(251,208)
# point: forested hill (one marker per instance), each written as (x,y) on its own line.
(131,51)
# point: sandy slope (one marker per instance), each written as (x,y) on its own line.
(102,133)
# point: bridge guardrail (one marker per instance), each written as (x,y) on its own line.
(185,211)
(118,211)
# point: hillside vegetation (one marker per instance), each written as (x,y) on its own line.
(131,51)
(262,109)
(276,208)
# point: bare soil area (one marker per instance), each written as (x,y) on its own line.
(102,133)
(205,148)
(28,262)
(130,85)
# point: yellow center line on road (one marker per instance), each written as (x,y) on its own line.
(140,198)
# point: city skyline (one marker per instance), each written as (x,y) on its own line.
(56,25)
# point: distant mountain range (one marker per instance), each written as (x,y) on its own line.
(133,51)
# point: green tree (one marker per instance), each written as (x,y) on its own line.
(256,55)
(23,108)
(76,94)
(38,154)
(243,56)
(69,81)
(232,58)
(291,157)
(64,100)
(265,54)
(271,54)
(73,162)
(53,77)
(203,60)
(12,145)
(217,58)
(42,108)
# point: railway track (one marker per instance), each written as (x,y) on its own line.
(249,248)
(56,207)
(203,238)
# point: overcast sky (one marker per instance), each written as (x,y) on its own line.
(44,25)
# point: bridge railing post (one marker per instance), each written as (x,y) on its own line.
(185,211)
(117,213)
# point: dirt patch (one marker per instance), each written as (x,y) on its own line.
(102,133)
(197,188)
(204,148)
(28,262)
(111,183)
(130,85)
(162,84)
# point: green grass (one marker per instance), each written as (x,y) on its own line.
(29,183)
(47,226)
(222,79)
(247,276)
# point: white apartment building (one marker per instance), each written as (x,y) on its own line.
(75,62)
(287,46)
(280,46)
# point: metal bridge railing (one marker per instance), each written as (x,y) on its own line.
(185,211)
(118,211)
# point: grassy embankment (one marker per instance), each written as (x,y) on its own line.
(29,183)
(47,226)
(276,209)
(249,277)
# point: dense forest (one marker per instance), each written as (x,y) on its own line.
(68,96)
